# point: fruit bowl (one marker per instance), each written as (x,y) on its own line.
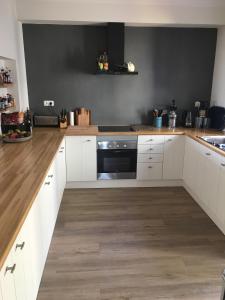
(7,139)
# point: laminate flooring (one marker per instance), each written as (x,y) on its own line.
(133,244)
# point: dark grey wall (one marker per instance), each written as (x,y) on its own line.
(172,63)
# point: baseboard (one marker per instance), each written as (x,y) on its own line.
(123,183)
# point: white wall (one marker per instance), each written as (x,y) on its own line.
(131,12)
(11,46)
(218,88)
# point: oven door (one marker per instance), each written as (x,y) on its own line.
(117,164)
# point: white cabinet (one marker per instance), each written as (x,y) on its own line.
(1,293)
(190,163)
(150,157)
(220,207)
(149,171)
(61,170)
(19,259)
(21,273)
(207,176)
(7,279)
(81,158)
(150,139)
(173,157)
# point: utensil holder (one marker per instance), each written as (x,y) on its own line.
(158,122)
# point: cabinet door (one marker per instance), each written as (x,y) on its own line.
(207,177)
(48,209)
(19,273)
(149,171)
(150,139)
(81,158)
(173,157)
(74,158)
(0,292)
(7,279)
(36,243)
(60,171)
(220,209)
(189,163)
(89,158)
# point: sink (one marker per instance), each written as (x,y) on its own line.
(214,140)
(217,141)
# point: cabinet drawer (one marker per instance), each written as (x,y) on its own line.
(150,139)
(150,158)
(150,148)
(149,171)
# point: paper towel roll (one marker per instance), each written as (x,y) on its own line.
(72,118)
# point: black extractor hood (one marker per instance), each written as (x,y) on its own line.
(116,45)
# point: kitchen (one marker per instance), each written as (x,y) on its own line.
(127,204)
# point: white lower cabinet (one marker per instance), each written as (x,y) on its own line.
(150,157)
(7,279)
(204,175)
(21,273)
(220,207)
(149,171)
(173,157)
(81,158)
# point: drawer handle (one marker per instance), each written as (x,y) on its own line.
(151,149)
(47,183)
(60,151)
(150,167)
(223,164)
(10,269)
(62,148)
(50,176)
(151,140)
(207,153)
(21,246)
(88,140)
(150,157)
(169,140)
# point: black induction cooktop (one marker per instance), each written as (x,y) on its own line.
(115,128)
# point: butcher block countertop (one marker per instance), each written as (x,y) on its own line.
(23,169)
(25,165)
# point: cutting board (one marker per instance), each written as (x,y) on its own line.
(83,116)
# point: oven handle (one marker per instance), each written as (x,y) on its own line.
(117,150)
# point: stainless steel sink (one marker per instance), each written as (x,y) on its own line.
(214,140)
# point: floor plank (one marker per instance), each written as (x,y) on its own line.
(133,244)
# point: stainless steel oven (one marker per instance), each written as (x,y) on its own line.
(117,157)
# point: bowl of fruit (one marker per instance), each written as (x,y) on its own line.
(16,136)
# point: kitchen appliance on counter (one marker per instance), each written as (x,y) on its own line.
(46,121)
(116,157)
(217,116)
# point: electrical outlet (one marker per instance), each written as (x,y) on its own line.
(49,103)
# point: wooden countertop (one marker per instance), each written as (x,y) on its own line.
(23,169)
(25,165)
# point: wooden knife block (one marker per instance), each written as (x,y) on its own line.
(83,117)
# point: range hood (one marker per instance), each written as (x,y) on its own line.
(116,45)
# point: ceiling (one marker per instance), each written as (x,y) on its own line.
(191,3)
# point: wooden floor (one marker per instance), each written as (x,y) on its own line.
(133,244)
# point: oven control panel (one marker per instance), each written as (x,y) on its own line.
(123,144)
